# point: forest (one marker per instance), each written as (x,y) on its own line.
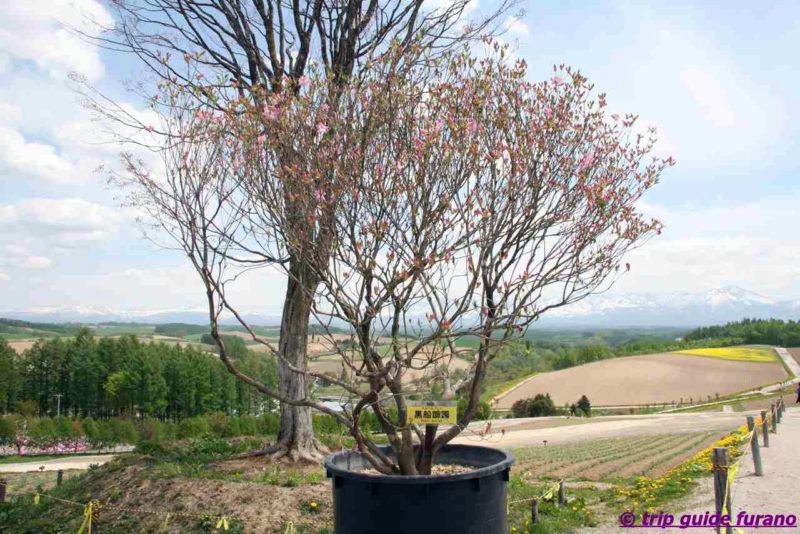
(753,331)
(106,377)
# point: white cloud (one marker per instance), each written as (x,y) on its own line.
(710,95)
(36,31)
(753,245)
(516,27)
(20,258)
(39,160)
(4,277)
(64,220)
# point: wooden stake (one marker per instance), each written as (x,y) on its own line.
(534,511)
(59,477)
(774,419)
(765,428)
(754,448)
(721,484)
(3,484)
(562,495)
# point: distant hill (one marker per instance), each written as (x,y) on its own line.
(606,310)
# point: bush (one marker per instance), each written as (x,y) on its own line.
(219,423)
(42,432)
(482,412)
(153,430)
(584,405)
(64,428)
(193,427)
(248,425)
(8,431)
(325,424)
(269,424)
(91,430)
(116,431)
(539,406)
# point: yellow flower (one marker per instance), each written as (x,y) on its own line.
(574,508)
(513,529)
(313,504)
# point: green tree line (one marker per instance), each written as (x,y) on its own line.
(107,377)
(753,331)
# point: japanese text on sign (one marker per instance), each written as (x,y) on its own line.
(432,415)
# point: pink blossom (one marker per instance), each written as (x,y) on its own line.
(556,80)
(319,194)
(321,128)
(304,80)
(271,112)
(472,126)
(587,160)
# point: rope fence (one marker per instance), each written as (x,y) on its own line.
(725,471)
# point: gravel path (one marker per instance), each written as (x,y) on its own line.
(73,462)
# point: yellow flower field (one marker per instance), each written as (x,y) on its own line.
(742,354)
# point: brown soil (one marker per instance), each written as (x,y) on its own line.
(795,352)
(648,379)
(133,498)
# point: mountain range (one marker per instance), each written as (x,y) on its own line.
(610,309)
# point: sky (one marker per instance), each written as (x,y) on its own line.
(718,79)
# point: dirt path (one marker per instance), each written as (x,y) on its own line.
(74,462)
(773,493)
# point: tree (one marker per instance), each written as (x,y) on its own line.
(253,49)
(462,200)
(584,405)
(9,376)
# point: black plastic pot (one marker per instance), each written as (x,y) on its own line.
(464,503)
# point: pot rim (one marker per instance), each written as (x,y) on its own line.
(505,463)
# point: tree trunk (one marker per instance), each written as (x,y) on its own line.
(296,435)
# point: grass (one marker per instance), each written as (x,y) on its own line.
(17,459)
(739,354)
(494,389)
(576,513)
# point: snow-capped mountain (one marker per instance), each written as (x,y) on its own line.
(102,314)
(602,310)
(716,306)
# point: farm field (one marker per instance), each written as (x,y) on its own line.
(652,378)
(795,352)
(600,460)
(741,354)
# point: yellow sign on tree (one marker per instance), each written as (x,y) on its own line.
(432,415)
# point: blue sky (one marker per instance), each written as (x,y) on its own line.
(718,80)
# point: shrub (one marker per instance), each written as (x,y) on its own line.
(91,430)
(116,431)
(219,423)
(482,412)
(269,424)
(42,432)
(152,430)
(8,431)
(584,405)
(326,424)
(193,427)
(539,406)
(63,428)
(248,425)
